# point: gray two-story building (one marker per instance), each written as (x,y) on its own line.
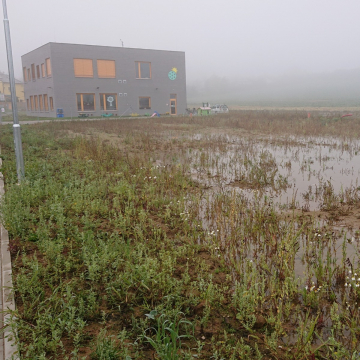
(86,80)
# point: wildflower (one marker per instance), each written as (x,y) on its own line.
(353,278)
(346,284)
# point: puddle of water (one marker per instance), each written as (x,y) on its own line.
(289,173)
(283,174)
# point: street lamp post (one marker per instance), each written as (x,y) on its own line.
(16,126)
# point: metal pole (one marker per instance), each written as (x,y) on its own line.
(16,126)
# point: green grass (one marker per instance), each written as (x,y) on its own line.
(117,255)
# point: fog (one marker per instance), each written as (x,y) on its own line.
(253,50)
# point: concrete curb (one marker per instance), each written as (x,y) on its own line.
(8,348)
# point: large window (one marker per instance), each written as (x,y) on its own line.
(36,103)
(41,103)
(32,103)
(33,71)
(106,69)
(48,67)
(29,74)
(144,102)
(83,68)
(46,105)
(85,102)
(38,71)
(43,70)
(108,102)
(143,70)
(51,100)
(25,74)
(28,104)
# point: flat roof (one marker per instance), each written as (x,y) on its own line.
(115,47)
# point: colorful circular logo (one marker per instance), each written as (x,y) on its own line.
(172,74)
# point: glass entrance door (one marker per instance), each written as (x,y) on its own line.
(173,108)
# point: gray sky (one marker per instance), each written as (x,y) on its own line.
(231,38)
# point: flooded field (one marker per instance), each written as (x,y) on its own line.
(246,224)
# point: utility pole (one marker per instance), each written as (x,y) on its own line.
(16,126)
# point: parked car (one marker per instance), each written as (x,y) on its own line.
(217,109)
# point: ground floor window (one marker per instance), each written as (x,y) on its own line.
(28,104)
(51,103)
(32,102)
(144,102)
(46,102)
(41,103)
(108,102)
(85,102)
(36,103)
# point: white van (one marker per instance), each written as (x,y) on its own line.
(219,109)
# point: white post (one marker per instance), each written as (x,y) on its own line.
(16,126)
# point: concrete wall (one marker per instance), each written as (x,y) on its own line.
(63,85)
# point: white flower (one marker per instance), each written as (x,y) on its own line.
(346,284)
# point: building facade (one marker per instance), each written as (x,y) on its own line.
(5,93)
(88,80)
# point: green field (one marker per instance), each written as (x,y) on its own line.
(186,238)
